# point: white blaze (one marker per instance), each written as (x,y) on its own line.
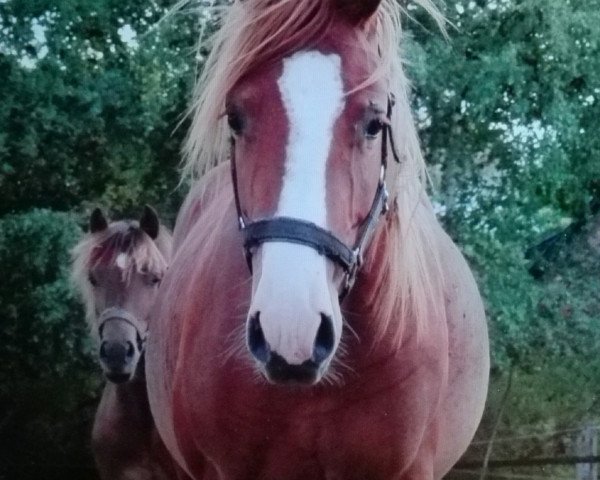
(312,92)
(122,261)
(292,288)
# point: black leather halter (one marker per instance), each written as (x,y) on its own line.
(293,230)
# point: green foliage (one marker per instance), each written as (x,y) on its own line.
(508,109)
(45,378)
(92,96)
(543,415)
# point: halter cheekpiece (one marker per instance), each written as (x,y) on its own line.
(293,230)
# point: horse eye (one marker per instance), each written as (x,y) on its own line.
(92,280)
(373,128)
(234,119)
(155,280)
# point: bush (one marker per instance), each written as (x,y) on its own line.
(47,381)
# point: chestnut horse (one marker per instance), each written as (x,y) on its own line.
(117,269)
(351,341)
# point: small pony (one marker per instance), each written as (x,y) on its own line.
(350,343)
(117,269)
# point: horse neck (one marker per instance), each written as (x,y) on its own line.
(124,413)
(374,307)
(399,298)
(371,306)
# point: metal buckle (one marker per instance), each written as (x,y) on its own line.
(358,259)
(385,207)
(348,284)
(350,276)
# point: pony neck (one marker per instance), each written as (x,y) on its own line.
(138,381)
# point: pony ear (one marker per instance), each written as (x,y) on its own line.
(98,221)
(357,11)
(149,222)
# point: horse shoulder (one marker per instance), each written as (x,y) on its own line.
(202,193)
(464,307)
(468,357)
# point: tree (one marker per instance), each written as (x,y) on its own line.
(507,111)
(93,93)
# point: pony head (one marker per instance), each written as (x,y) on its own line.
(117,268)
(306,88)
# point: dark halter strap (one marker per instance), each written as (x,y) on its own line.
(293,230)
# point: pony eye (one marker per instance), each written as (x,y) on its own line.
(92,280)
(373,128)
(153,280)
(235,122)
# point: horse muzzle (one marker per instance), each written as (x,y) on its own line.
(277,369)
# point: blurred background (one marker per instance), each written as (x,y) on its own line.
(93,95)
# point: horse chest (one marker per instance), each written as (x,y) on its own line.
(369,431)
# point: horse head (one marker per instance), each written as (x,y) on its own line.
(117,268)
(310,134)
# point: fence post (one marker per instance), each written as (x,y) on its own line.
(587,445)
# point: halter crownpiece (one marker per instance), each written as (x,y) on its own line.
(293,230)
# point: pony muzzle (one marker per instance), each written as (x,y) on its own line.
(117,358)
(281,370)
(121,345)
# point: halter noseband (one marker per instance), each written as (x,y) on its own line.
(293,230)
(117,313)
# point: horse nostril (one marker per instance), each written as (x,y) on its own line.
(325,340)
(257,344)
(103,353)
(130,350)
(114,354)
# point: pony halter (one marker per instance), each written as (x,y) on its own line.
(117,313)
(293,230)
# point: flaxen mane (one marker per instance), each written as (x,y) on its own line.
(255,32)
(142,255)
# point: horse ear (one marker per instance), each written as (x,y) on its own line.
(149,222)
(357,11)
(98,221)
